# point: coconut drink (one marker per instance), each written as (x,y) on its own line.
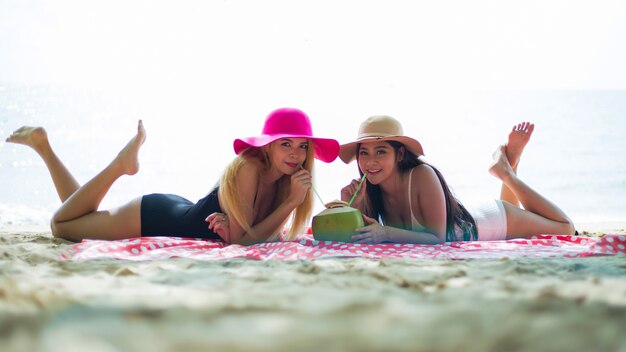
(337,222)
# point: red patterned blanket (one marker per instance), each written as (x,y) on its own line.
(305,247)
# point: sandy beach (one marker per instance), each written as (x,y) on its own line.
(47,304)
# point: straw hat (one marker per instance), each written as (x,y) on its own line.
(379,129)
(289,123)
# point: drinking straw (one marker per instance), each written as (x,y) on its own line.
(357,190)
(315,191)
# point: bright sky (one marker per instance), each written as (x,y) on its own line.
(285,45)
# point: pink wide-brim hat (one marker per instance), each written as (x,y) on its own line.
(289,123)
(379,128)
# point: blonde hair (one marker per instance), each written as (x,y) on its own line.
(233,204)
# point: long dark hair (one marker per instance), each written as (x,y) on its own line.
(456,213)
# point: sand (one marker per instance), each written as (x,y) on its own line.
(330,304)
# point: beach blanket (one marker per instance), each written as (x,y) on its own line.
(306,248)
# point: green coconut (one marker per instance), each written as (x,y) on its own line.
(336,224)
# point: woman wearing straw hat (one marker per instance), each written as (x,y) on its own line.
(269,180)
(416,205)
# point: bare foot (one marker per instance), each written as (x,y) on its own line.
(501,168)
(128,158)
(518,138)
(34,137)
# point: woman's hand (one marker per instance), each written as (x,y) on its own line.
(348,191)
(373,233)
(218,223)
(301,182)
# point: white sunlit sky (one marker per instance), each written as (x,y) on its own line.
(201,73)
(245,46)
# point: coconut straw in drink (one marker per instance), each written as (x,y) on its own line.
(314,190)
(358,188)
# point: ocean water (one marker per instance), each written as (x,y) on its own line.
(575,157)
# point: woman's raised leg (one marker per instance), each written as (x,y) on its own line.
(539,214)
(37,138)
(79,217)
(518,138)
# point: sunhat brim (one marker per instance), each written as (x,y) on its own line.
(325,149)
(347,152)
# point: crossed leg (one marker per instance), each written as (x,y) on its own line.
(539,214)
(518,138)
(79,218)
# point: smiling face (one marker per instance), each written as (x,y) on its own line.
(287,154)
(377,160)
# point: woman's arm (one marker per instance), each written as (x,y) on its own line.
(248,184)
(429,201)
(376,233)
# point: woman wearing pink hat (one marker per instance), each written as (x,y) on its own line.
(269,180)
(415,204)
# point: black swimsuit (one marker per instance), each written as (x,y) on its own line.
(172,215)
